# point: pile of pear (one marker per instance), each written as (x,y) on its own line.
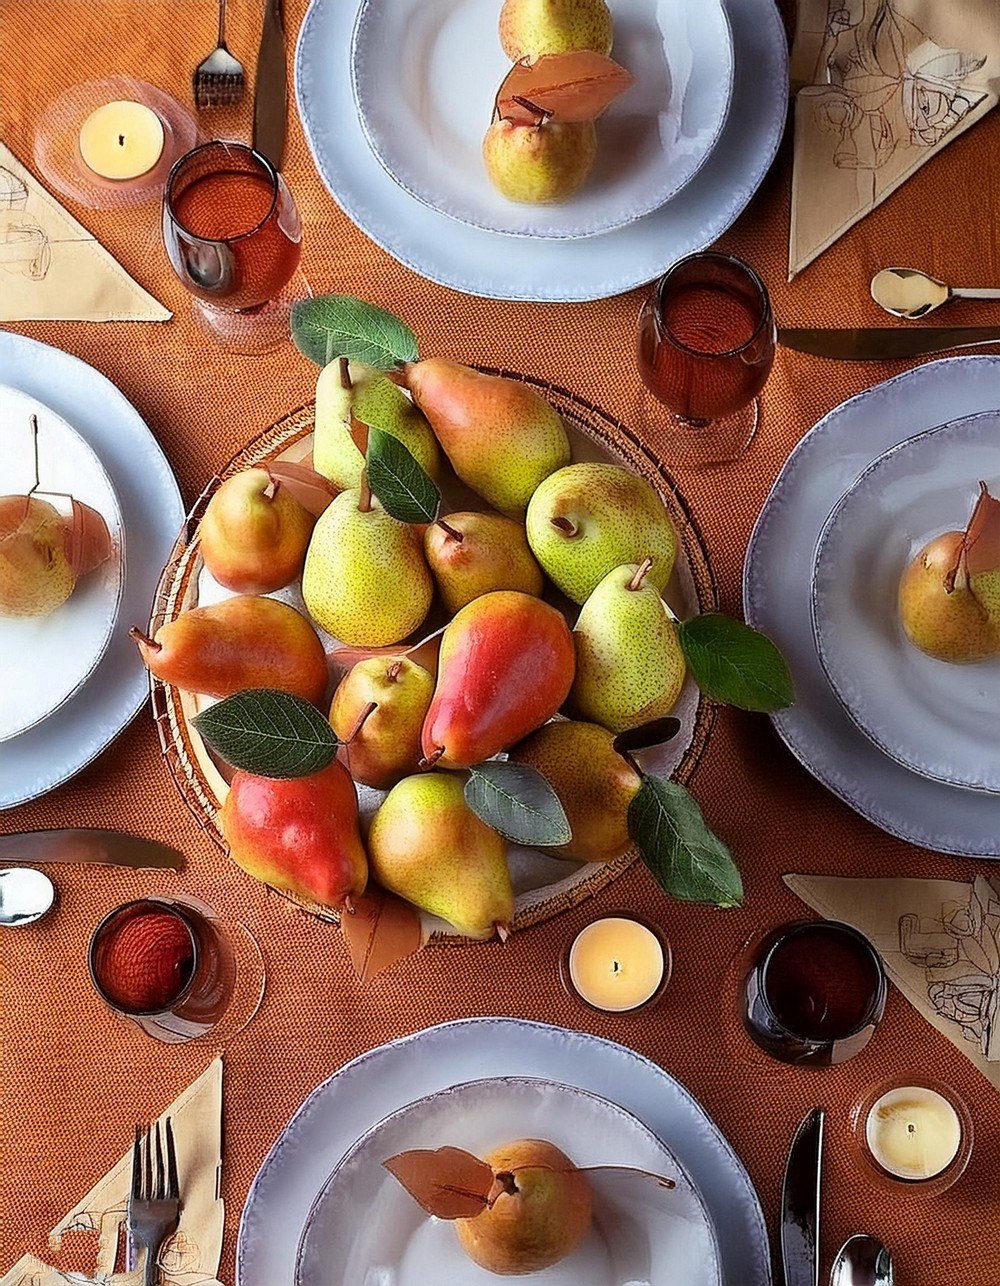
(593,537)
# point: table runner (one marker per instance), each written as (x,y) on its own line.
(73,1080)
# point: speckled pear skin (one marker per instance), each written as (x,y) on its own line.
(386,747)
(532,28)
(352,558)
(952,626)
(429,847)
(589,518)
(629,663)
(492,554)
(539,164)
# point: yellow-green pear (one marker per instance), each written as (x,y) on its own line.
(539,164)
(428,846)
(365,580)
(377,713)
(942,616)
(472,554)
(629,663)
(589,518)
(533,28)
(351,395)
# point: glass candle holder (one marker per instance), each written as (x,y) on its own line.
(617,964)
(913,1133)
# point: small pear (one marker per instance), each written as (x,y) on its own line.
(346,393)
(940,616)
(377,713)
(539,164)
(472,554)
(365,580)
(428,846)
(589,518)
(255,533)
(36,576)
(532,28)
(629,663)
(594,783)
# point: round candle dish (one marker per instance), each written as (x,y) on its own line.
(913,1132)
(617,964)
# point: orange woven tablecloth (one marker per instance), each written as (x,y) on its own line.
(73,1080)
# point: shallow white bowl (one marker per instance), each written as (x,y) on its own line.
(425,74)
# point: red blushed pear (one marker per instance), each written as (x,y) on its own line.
(506,666)
(298,834)
(254,534)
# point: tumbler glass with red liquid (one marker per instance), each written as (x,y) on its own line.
(706,347)
(234,238)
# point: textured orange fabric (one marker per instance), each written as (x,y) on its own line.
(74,1080)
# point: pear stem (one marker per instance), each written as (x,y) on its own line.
(345,373)
(543,113)
(365,499)
(453,532)
(271,490)
(641,573)
(144,640)
(361,719)
(430,760)
(565,525)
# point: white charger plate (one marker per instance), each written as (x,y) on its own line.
(151,509)
(487,264)
(936,718)
(777,593)
(426,72)
(382,1080)
(365,1228)
(45,659)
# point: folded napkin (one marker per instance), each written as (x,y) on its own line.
(188,1258)
(940,943)
(52,268)
(881,86)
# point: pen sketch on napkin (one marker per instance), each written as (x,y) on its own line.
(24,246)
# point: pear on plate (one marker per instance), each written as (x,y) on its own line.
(472,554)
(586,519)
(542,163)
(533,28)
(36,574)
(937,608)
(629,663)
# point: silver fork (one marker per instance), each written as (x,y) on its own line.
(155,1202)
(219,81)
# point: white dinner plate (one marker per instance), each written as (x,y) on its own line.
(45,659)
(934,717)
(426,74)
(383,1080)
(151,510)
(777,592)
(365,1227)
(488,264)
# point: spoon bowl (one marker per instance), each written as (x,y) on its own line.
(862,1261)
(25,895)
(908,293)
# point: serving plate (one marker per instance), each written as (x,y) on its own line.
(938,719)
(45,659)
(364,1226)
(425,74)
(543,885)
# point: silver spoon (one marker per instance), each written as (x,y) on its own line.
(862,1261)
(905,292)
(25,895)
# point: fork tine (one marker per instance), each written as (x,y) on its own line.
(173,1185)
(161,1173)
(147,1168)
(136,1166)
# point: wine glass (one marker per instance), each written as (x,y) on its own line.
(234,239)
(706,347)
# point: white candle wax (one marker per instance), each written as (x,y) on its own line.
(616,964)
(121,140)
(913,1132)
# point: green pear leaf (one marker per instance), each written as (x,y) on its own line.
(403,489)
(331,326)
(268,733)
(517,801)
(732,662)
(686,859)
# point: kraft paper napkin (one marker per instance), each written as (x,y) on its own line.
(940,943)
(881,86)
(191,1256)
(52,268)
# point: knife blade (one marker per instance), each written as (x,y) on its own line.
(103,848)
(800,1202)
(885,343)
(270,87)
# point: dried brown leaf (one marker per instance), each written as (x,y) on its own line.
(88,541)
(310,489)
(576,86)
(982,536)
(446,1182)
(382,931)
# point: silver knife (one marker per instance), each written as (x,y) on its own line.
(270,87)
(800,1203)
(886,343)
(104,848)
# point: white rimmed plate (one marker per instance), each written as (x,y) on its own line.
(382,1080)
(936,718)
(364,1227)
(485,263)
(45,659)
(426,72)
(777,592)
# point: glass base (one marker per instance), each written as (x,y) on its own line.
(689,444)
(258,330)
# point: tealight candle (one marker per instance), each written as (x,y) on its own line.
(121,140)
(913,1132)
(617,964)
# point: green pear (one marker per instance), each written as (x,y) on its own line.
(350,396)
(629,663)
(539,164)
(356,555)
(428,846)
(587,519)
(533,28)
(472,554)
(377,713)
(944,618)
